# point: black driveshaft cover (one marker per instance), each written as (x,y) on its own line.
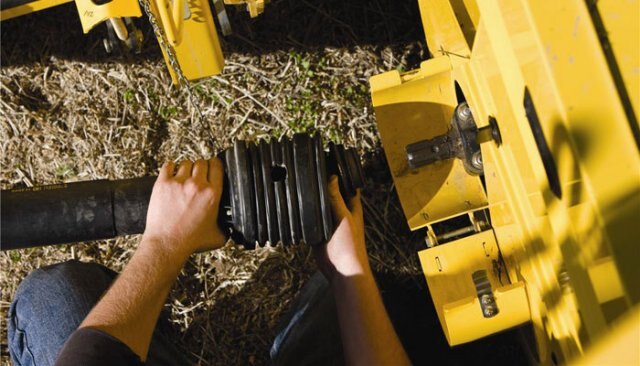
(280,189)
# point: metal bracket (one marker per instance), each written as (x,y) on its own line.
(485,294)
(462,141)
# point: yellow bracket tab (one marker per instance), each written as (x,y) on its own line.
(448,269)
(92,14)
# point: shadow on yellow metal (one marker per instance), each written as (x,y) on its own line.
(447,270)
(414,107)
(563,188)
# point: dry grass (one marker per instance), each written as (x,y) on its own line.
(69,112)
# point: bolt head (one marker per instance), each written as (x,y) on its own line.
(463,111)
(476,160)
(486,299)
(489,312)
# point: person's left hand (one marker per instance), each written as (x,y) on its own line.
(183,211)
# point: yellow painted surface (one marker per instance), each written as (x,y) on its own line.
(446,268)
(622,26)
(422,102)
(197,48)
(92,14)
(620,347)
(29,8)
(573,247)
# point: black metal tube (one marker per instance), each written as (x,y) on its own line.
(72,212)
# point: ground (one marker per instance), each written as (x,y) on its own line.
(70,112)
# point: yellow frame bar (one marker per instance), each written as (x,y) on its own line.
(29,8)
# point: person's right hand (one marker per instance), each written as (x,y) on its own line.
(183,209)
(345,254)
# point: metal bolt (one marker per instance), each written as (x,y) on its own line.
(486,299)
(108,45)
(476,160)
(489,312)
(464,112)
(429,243)
(431,240)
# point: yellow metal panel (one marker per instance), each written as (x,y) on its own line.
(29,8)
(441,28)
(448,270)
(622,27)
(563,189)
(606,281)
(92,14)
(198,51)
(601,150)
(468,17)
(514,311)
(620,347)
(422,102)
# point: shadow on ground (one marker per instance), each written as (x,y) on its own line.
(289,25)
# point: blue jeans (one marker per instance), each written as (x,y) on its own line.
(52,302)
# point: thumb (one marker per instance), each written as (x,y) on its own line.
(338,206)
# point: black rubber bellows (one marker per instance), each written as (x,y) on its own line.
(277,191)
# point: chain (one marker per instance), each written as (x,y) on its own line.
(183,82)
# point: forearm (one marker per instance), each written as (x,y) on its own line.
(131,307)
(367,333)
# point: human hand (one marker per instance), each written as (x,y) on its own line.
(345,254)
(183,211)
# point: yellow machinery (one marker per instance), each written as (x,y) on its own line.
(184,29)
(515,146)
(544,230)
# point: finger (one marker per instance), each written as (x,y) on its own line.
(166,172)
(200,171)
(184,170)
(337,203)
(216,171)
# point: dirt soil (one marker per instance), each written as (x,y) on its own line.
(70,112)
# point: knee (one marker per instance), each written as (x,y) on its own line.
(64,281)
(50,303)
(69,286)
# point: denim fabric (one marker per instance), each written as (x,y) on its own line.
(309,333)
(52,302)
